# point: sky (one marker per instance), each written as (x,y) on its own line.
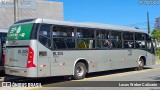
(117,12)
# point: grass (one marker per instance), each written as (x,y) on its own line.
(158,60)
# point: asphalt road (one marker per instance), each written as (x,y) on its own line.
(97,81)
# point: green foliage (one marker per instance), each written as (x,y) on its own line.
(158,53)
(156,34)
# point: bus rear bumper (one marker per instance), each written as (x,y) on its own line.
(17,71)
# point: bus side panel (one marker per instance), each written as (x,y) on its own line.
(62,62)
(43,61)
(128,58)
(98,60)
(137,53)
(43,66)
(150,59)
(121,59)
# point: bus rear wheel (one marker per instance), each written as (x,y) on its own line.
(79,71)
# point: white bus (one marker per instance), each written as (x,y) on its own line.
(3,35)
(44,48)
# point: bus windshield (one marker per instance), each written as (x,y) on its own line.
(20,32)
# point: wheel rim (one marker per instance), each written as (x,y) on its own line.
(80,71)
(140,63)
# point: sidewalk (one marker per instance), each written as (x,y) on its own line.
(1,79)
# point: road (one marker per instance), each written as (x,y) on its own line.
(99,81)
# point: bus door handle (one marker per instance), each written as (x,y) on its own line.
(123,59)
(109,60)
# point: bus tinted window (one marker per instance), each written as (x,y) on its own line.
(85,38)
(63,37)
(60,43)
(102,34)
(103,39)
(85,33)
(128,40)
(63,31)
(128,44)
(140,44)
(85,44)
(44,35)
(127,36)
(139,36)
(116,39)
(140,40)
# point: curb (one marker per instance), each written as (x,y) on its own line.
(1,79)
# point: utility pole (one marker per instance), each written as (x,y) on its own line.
(148,23)
(15,10)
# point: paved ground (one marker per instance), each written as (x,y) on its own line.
(59,83)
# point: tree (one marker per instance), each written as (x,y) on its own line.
(156,34)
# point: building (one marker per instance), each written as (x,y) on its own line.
(157,27)
(157,23)
(43,9)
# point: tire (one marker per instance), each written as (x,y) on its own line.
(140,64)
(79,71)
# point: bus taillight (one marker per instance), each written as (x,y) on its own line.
(30,58)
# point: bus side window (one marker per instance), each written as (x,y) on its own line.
(63,37)
(126,44)
(140,40)
(70,43)
(60,43)
(116,39)
(128,40)
(44,35)
(81,44)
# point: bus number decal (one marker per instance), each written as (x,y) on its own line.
(23,52)
(57,53)
(42,53)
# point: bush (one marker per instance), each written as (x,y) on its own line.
(158,53)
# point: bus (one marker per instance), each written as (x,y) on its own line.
(3,35)
(44,47)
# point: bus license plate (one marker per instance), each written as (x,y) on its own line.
(13,71)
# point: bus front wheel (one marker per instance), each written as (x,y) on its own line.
(140,64)
(79,71)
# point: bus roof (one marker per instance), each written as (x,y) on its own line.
(4,29)
(84,24)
